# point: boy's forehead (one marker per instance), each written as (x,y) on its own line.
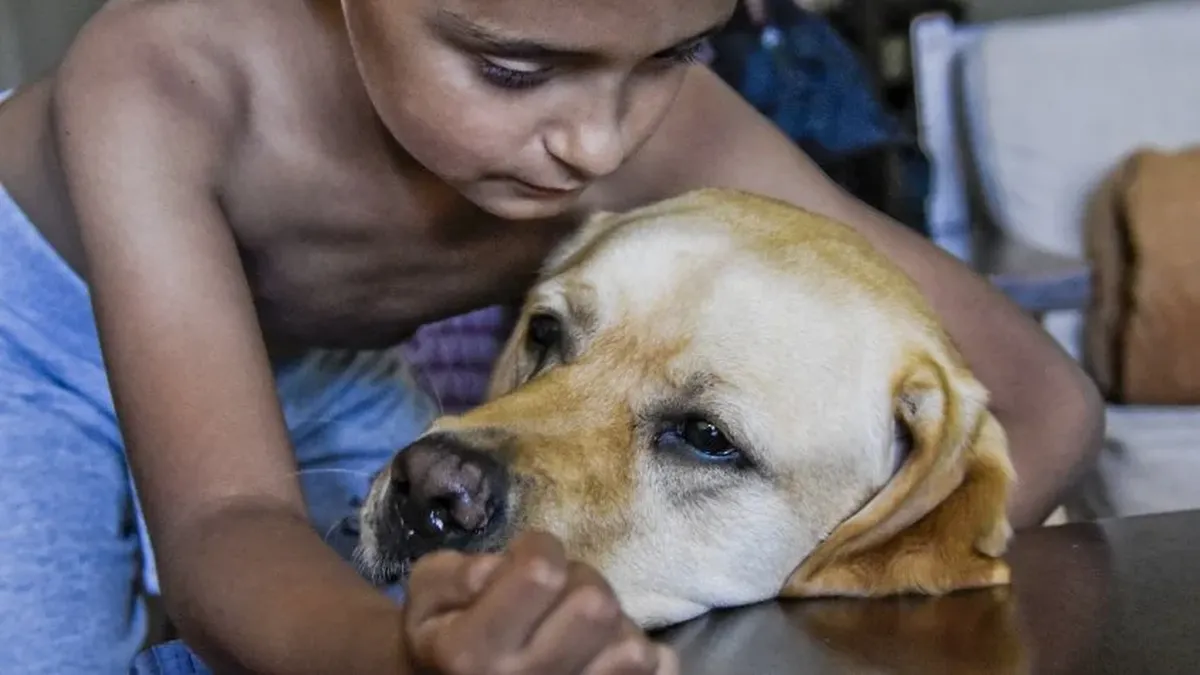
(586,25)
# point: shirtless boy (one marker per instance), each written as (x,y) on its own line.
(260,200)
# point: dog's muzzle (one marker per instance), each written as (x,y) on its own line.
(443,493)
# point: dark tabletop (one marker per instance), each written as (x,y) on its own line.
(1120,596)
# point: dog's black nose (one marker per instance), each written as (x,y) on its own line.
(447,492)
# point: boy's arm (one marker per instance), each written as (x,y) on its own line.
(1050,409)
(142,124)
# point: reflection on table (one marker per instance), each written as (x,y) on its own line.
(1116,597)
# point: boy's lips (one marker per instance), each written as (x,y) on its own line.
(548,190)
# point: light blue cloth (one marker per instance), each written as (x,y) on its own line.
(74,554)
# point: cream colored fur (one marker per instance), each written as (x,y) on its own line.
(811,351)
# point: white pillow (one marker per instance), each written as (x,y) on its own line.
(1053,104)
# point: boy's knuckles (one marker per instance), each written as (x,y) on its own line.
(668,661)
(523,663)
(472,662)
(457,658)
(542,573)
(436,567)
(440,558)
(631,655)
(581,574)
(595,604)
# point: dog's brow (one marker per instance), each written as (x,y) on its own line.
(693,393)
(582,313)
(700,385)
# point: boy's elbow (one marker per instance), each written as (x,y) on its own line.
(1084,412)
(1056,430)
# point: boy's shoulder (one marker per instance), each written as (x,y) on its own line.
(225,95)
(186,24)
(218,21)
(184,44)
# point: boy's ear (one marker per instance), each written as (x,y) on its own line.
(940,523)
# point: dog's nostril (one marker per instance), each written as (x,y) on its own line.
(400,485)
(433,519)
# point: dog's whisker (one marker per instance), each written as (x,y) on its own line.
(334,470)
(425,384)
(333,528)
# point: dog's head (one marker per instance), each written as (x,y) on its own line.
(715,400)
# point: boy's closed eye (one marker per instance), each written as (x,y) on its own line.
(511,73)
(513,62)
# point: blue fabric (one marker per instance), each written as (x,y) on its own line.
(75,557)
(172,658)
(799,72)
(808,81)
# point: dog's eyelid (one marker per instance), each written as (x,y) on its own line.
(675,412)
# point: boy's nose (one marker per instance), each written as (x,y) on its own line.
(590,147)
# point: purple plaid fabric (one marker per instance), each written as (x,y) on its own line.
(455,356)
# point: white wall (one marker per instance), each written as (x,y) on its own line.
(986,10)
(34,33)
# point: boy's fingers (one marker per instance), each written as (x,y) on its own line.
(429,638)
(635,655)
(523,589)
(668,661)
(445,581)
(480,572)
(578,629)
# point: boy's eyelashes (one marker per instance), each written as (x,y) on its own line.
(509,73)
(686,53)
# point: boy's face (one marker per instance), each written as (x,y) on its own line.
(520,104)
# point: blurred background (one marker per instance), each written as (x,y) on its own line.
(34,33)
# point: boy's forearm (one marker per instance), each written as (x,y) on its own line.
(253,590)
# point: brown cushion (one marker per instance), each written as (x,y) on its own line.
(1142,342)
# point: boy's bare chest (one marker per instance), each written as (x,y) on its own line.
(346,259)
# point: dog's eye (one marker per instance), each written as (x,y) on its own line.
(545,331)
(707,438)
(701,439)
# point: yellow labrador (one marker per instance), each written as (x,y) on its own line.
(716,400)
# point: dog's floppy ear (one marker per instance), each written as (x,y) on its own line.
(940,523)
(511,368)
